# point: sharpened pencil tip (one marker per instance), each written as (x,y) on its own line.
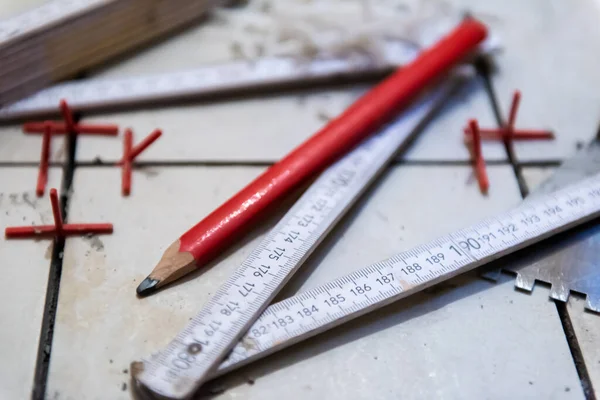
(148,286)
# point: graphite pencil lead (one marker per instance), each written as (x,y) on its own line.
(173,265)
(147,287)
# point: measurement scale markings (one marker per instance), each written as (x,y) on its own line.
(192,358)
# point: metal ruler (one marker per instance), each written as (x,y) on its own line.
(215,330)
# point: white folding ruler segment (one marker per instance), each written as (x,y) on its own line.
(89,95)
(235,76)
(215,330)
(314,311)
(373,287)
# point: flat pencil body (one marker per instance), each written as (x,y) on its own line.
(218,230)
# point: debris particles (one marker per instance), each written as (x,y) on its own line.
(336,28)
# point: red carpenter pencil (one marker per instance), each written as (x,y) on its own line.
(219,229)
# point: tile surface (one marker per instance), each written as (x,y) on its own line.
(260,128)
(549,54)
(16,147)
(10,8)
(25,264)
(101,325)
(466,338)
(266,129)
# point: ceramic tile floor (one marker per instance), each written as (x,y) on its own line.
(467,338)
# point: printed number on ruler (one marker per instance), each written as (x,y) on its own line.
(267,267)
(177,370)
(331,304)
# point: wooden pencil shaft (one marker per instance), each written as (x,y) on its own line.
(215,232)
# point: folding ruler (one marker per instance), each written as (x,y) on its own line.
(214,80)
(236,327)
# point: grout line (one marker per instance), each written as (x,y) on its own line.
(148,164)
(561,307)
(182,163)
(26,164)
(42,365)
(266,163)
(576,352)
(540,164)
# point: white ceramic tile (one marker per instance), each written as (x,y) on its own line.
(97,297)
(534,176)
(258,128)
(15,146)
(266,129)
(469,339)
(25,265)
(586,324)
(10,8)
(270,28)
(549,54)
(443,138)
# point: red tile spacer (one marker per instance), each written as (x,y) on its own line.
(478,161)
(58,221)
(130,152)
(44,160)
(59,229)
(68,125)
(126,163)
(508,131)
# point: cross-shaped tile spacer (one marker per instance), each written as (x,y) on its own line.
(69,125)
(130,152)
(59,229)
(49,128)
(508,131)
(478,161)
